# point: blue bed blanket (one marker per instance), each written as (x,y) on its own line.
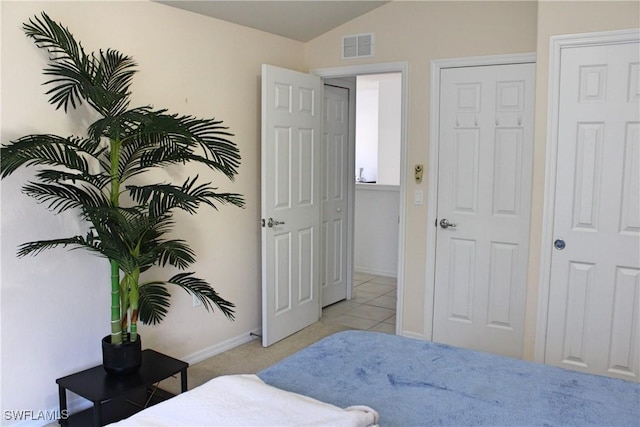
(417,383)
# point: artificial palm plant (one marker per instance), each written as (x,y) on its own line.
(101,176)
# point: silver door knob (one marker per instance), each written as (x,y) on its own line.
(444,223)
(272,222)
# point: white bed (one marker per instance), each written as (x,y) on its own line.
(245,400)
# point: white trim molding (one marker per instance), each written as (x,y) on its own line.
(557,44)
(403,69)
(437,66)
(221,347)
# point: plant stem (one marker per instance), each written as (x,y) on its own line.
(124,304)
(133,303)
(116,328)
(114,157)
(116,308)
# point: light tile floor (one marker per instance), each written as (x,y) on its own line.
(372,306)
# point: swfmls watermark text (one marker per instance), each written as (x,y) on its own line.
(31,415)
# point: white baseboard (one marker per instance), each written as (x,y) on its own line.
(208,352)
(77,404)
(413,335)
(383,273)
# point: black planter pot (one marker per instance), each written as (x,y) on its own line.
(121,359)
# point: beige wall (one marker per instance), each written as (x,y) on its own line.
(557,18)
(418,32)
(55,307)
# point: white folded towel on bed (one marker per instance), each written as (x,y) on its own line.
(245,400)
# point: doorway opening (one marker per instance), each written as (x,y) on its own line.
(375,188)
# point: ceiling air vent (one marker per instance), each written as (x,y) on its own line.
(357,46)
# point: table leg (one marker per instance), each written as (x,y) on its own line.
(97,414)
(183,379)
(64,416)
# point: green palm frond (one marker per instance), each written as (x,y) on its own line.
(154,302)
(66,57)
(116,73)
(142,238)
(156,249)
(200,140)
(219,153)
(152,139)
(99,181)
(34,248)
(125,224)
(162,198)
(204,292)
(162,154)
(70,87)
(71,153)
(118,126)
(102,80)
(154,297)
(50,35)
(111,249)
(62,196)
(174,252)
(118,230)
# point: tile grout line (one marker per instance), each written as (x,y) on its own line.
(381,324)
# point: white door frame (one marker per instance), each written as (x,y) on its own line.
(434,142)
(391,67)
(558,43)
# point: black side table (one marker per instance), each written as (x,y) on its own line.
(121,396)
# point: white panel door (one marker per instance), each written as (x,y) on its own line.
(484,188)
(335,155)
(291,133)
(594,298)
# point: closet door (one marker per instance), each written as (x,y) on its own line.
(594,291)
(484,197)
(334,275)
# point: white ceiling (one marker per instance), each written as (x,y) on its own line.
(301,20)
